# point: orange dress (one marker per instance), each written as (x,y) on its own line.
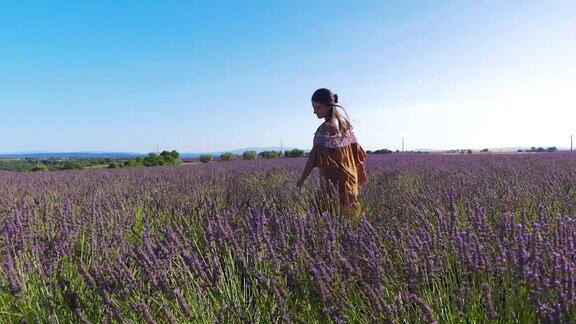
(340,159)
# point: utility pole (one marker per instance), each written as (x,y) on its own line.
(570,143)
(402,144)
(281,146)
(157,147)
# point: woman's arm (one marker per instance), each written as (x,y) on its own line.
(309,166)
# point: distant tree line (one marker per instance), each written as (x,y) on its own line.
(51,164)
(381,151)
(251,155)
(294,153)
(152,159)
(56,164)
(540,149)
(460,151)
(270,154)
(387,151)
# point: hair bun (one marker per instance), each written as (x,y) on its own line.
(335,98)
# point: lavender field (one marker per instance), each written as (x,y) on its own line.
(445,238)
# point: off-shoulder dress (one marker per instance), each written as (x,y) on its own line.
(340,159)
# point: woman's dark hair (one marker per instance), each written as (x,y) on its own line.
(326,97)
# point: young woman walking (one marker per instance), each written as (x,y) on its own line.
(336,153)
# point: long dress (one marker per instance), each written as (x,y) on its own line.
(340,159)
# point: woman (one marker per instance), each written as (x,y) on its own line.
(336,152)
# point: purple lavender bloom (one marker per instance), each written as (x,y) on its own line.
(320,282)
(424,307)
(169,315)
(411,270)
(183,303)
(487,294)
(145,311)
(111,307)
(14,283)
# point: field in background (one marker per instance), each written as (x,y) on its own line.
(445,238)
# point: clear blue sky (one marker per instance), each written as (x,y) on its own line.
(218,75)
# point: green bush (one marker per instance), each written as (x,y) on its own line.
(228,156)
(205,158)
(383,151)
(132,163)
(294,153)
(270,154)
(170,156)
(71,166)
(249,155)
(153,159)
(40,167)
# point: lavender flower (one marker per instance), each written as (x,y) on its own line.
(424,307)
(145,311)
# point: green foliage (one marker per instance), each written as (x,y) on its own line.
(205,158)
(40,167)
(270,154)
(72,165)
(19,166)
(382,151)
(460,151)
(541,149)
(294,153)
(485,150)
(132,163)
(170,156)
(153,159)
(228,156)
(52,164)
(249,155)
